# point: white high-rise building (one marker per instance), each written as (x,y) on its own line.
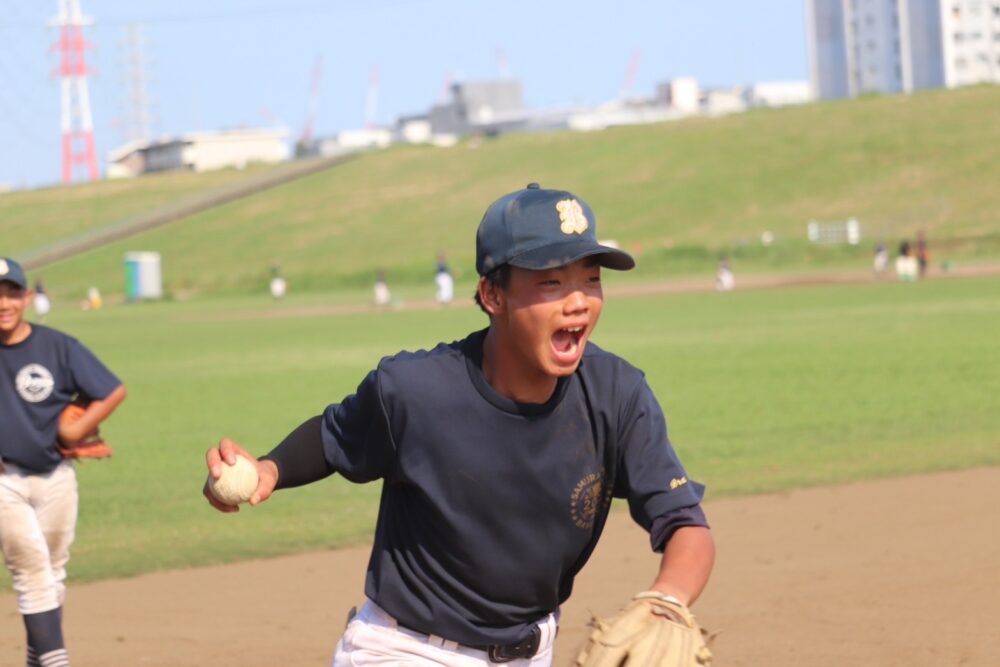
(894,46)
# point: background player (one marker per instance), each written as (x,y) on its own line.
(499,456)
(444,281)
(41,372)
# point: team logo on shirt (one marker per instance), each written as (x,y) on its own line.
(588,497)
(34,383)
(574,221)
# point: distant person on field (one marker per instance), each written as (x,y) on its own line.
(923,256)
(444,281)
(382,295)
(880,262)
(278,284)
(41,372)
(906,264)
(41,301)
(93,300)
(724,279)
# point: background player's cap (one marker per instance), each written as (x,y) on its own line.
(11,272)
(539,229)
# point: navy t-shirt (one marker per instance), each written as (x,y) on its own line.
(490,507)
(40,376)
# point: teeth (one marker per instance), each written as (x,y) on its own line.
(574,329)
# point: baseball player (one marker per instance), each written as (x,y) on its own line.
(499,455)
(444,281)
(41,372)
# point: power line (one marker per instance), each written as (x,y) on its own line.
(235,14)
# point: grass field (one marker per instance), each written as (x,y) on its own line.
(763,390)
(676,194)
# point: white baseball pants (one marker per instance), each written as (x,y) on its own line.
(37,526)
(373,637)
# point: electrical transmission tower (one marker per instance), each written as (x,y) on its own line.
(138,126)
(76,121)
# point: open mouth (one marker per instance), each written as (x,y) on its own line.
(566,342)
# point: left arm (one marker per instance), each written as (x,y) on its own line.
(97,411)
(686,564)
(662,499)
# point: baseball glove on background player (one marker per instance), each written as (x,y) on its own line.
(653,629)
(92,446)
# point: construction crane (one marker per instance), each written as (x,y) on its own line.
(633,68)
(371,102)
(503,70)
(304,145)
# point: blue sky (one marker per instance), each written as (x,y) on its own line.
(229,63)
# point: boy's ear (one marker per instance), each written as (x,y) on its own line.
(490,295)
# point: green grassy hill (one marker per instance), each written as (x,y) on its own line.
(676,194)
(33,219)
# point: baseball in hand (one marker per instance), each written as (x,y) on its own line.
(237,483)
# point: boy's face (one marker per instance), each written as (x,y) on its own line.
(13,301)
(549,315)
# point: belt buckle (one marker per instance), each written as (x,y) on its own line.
(525,649)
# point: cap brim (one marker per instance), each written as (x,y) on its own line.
(561,254)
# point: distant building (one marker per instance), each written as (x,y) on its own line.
(353,141)
(681,93)
(970,46)
(414,129)
(480,107)
(477,107)
(898,46)
(779,93)
(613,114)
(722,101)
(484,102)
(685,96)
(199,151)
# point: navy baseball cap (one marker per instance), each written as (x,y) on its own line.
(537,229)
(11,272)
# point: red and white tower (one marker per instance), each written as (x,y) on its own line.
(76,121)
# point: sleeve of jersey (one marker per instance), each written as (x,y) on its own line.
(90,377)
(650,475)
(357,441)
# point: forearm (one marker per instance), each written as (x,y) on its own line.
(686,564)
(299,458)
(97,411)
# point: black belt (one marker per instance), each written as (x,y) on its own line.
(526,648)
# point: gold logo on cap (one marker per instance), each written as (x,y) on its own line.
(573,219)
(3,267)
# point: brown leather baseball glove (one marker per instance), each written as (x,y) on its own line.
(92,446)
(653,629)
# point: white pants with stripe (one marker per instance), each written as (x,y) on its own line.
(373,637)
(37,526)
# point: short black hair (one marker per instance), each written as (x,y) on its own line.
(500,277)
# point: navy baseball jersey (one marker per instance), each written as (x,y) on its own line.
(40,376)
(490,507)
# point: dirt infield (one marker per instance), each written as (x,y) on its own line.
(893,572)
(652,287)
